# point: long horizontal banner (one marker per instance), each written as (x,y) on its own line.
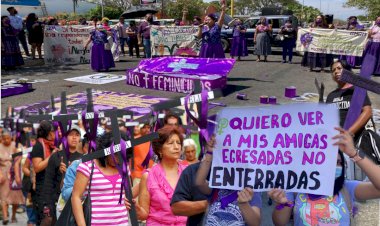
(176,74)
(65,44)
(174,41)
(103,100)
(288,147)
(331,41)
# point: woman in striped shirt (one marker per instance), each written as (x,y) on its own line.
(105,190)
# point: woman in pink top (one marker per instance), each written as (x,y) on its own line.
(371,55)
(158,184)
(104,193)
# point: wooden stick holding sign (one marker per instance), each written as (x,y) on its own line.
(359,81)
(321,90)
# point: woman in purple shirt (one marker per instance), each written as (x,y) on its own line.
(210,34)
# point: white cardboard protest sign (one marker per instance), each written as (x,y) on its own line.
(100,78)
(286,146)
(332,41)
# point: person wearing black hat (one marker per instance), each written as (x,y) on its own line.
(18,24)
(55,172)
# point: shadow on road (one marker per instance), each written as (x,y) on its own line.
(233,88)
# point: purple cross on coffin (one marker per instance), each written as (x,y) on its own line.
(177,74)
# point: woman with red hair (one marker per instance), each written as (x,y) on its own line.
(157,185)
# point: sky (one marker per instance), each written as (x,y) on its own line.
(327,7)
(330,7)
(53,6)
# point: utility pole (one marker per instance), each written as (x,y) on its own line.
(232,8)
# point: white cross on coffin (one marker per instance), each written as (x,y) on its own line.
(181,64)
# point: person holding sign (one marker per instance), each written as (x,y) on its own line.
(313,60)
(227,207)
(353,25)
(211,39)
(373,48)
(157,184)
(338,209)
(101,56)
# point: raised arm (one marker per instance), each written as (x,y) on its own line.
(365,190)
(221,18)
(204,169)
(251,214)
(200,30)
(280,216)
(231,22)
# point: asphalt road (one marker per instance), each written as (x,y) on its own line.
(248,77)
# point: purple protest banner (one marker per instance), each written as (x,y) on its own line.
(103,100)
(177,74)
(15,89)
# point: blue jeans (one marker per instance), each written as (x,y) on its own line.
(122,44)
(287,49)
(147,48)
(32,215)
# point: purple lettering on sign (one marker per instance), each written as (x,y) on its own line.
(313,158)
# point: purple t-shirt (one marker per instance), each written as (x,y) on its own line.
(144,29)
(230,215)
(324,211)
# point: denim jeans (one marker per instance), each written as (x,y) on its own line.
(122,44)
(147,48)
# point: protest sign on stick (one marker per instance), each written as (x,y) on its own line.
(288,147)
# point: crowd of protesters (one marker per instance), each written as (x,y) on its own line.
(15,30)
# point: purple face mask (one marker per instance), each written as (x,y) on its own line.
(318,21)
(378,23)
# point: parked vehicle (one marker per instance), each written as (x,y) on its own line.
(275,20)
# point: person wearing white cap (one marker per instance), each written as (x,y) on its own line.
(55,172)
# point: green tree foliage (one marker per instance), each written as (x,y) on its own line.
(371,6)
(305,13)
(109,11)
(194,7)
(250,6)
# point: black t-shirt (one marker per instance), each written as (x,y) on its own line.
(53,177)
(187,191)
(342,99)
(38,152)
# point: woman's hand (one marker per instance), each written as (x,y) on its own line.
(345,142)
(223,8)
(245,195)
(278,196)
(128,204)
(211,144)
